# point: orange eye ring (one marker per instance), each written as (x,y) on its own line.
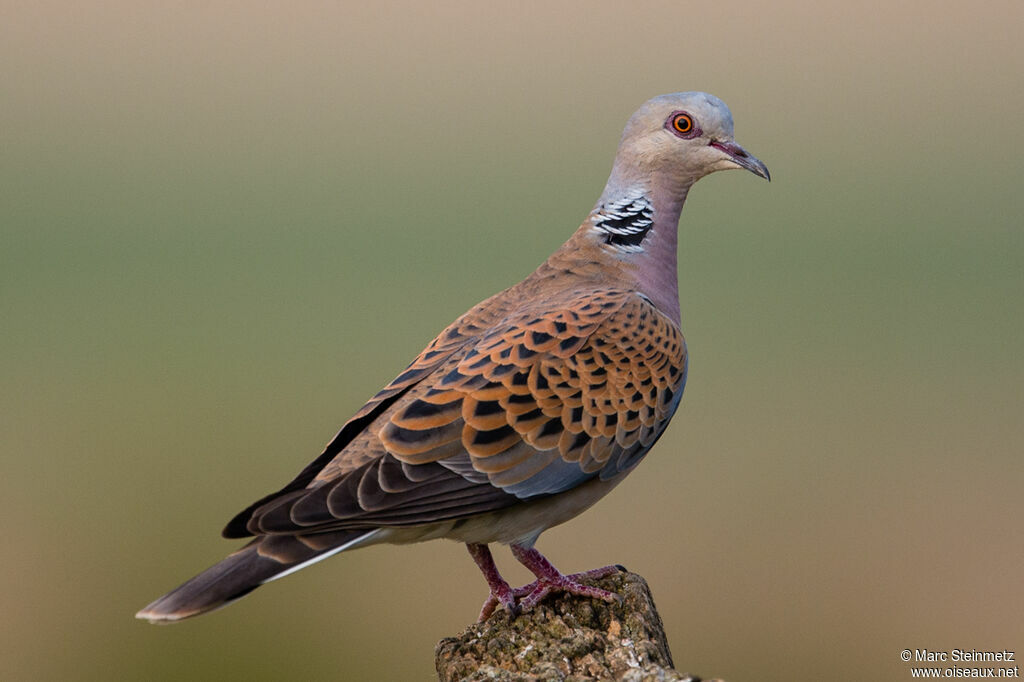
(682,123)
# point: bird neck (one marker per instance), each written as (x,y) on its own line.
(657,265)
(628,240)
(638,227)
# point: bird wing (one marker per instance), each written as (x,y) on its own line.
(338,458)
(548,395)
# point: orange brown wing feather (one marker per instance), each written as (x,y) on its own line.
(592,380)
(535,405)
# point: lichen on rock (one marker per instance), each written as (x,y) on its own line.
(567,638)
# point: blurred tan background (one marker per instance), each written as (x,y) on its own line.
(224,226)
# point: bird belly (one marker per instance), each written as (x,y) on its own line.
(522,523)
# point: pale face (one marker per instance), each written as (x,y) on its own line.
(688,134)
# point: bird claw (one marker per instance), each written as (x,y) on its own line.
(524,598)
(505,597)
(492,604)
(539,589)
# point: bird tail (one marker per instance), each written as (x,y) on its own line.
(264,559)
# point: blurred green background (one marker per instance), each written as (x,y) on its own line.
(223,226)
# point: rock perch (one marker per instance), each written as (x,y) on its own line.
(567,638)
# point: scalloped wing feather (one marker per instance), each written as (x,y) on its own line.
(549,397)
(586,384)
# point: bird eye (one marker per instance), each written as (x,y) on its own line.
(682,124)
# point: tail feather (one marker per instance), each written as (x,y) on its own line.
(264,559)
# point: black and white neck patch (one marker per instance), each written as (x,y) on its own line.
(625,222)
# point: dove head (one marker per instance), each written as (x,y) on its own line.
(674,140)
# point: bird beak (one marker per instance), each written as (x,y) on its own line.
(741,158)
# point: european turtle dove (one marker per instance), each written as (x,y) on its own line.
(524,411)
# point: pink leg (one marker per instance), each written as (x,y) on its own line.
(550,580)
(501,593)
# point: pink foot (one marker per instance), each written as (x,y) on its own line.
(548,580)
(501,593)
